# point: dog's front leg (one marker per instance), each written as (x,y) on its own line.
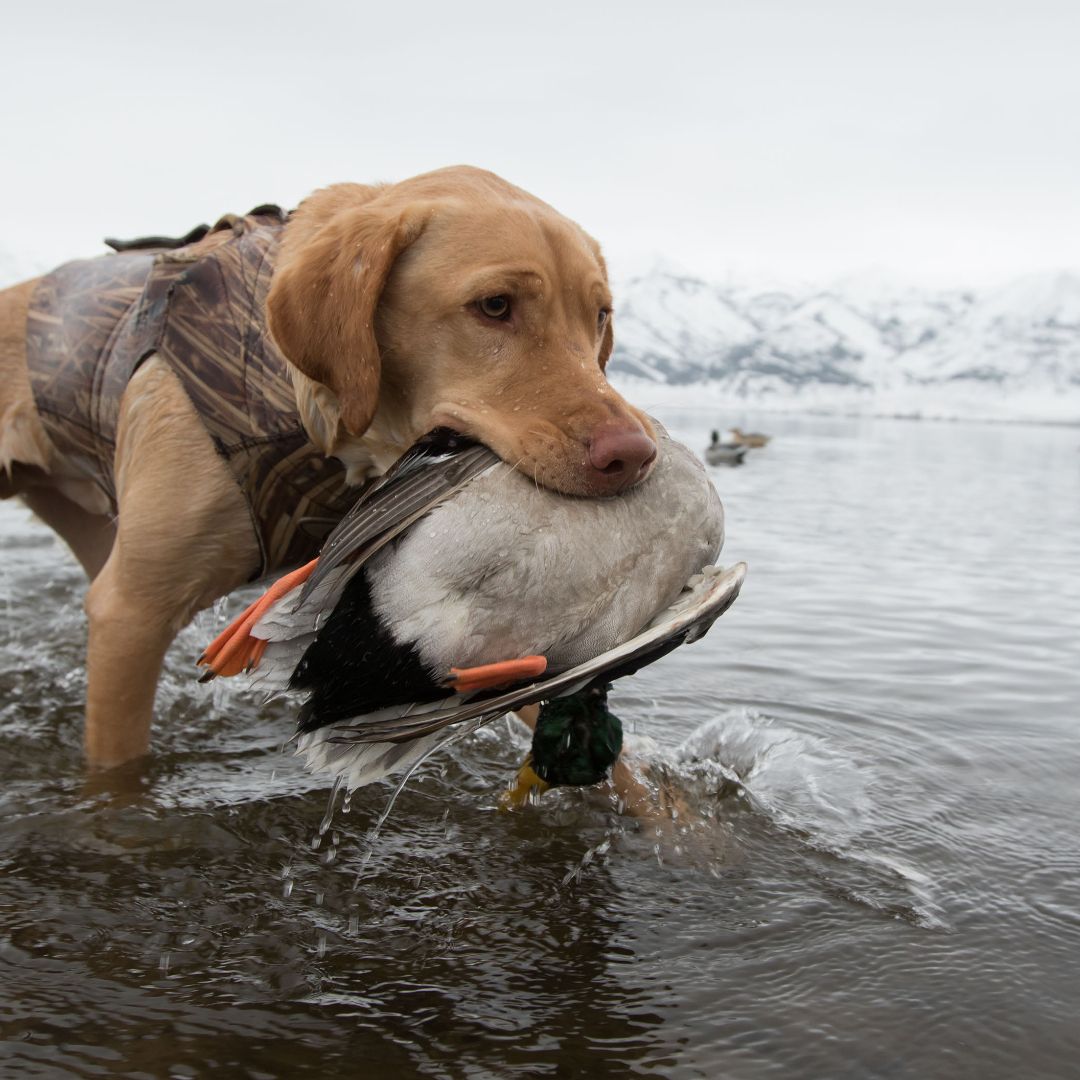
(126,647)
(183,539)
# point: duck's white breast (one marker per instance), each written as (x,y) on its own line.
(506,568)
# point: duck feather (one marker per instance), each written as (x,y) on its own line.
(708,596)
(430,471)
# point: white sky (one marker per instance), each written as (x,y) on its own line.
(801,138)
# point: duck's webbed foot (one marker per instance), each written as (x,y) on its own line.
(490,676)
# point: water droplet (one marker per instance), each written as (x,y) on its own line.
(329,815)
(287,889)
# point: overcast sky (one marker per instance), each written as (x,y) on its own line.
(796,138)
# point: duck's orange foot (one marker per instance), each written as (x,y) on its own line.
(234,650)
(488,676)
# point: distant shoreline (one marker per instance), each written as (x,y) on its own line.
(689,397)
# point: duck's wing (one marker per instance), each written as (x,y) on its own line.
(430,471)
(280,632)
(707,596)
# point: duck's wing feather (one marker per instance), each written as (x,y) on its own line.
(434,468)
(426,474)
(707,597)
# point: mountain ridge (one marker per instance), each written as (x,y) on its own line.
(858,345)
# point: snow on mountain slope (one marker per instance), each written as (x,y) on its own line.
(860,345)
(676,327)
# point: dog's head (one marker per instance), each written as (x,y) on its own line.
(456,299)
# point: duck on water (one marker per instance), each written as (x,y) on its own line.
(731,447)
(457,590)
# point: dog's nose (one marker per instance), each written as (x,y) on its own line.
(619,457)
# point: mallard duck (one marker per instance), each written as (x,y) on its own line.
(748,438)
(457,589)
(719,453)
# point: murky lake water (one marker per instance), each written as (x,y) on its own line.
(881,737)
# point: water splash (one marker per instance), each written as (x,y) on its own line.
(793,777)
(328,817)
(818,794)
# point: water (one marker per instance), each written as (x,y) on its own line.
(881,877)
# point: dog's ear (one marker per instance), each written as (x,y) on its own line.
(323,295)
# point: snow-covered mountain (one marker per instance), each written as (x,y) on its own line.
(861,345)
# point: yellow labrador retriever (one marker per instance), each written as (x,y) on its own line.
(450,299)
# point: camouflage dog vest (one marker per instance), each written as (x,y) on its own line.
(201,307)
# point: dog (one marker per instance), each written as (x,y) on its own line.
(452,299)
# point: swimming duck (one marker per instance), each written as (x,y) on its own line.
(457,589)
(748,438)
(719,453)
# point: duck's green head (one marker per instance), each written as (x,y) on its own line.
(577,739)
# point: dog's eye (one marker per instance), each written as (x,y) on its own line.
(602,317)
(495,307)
